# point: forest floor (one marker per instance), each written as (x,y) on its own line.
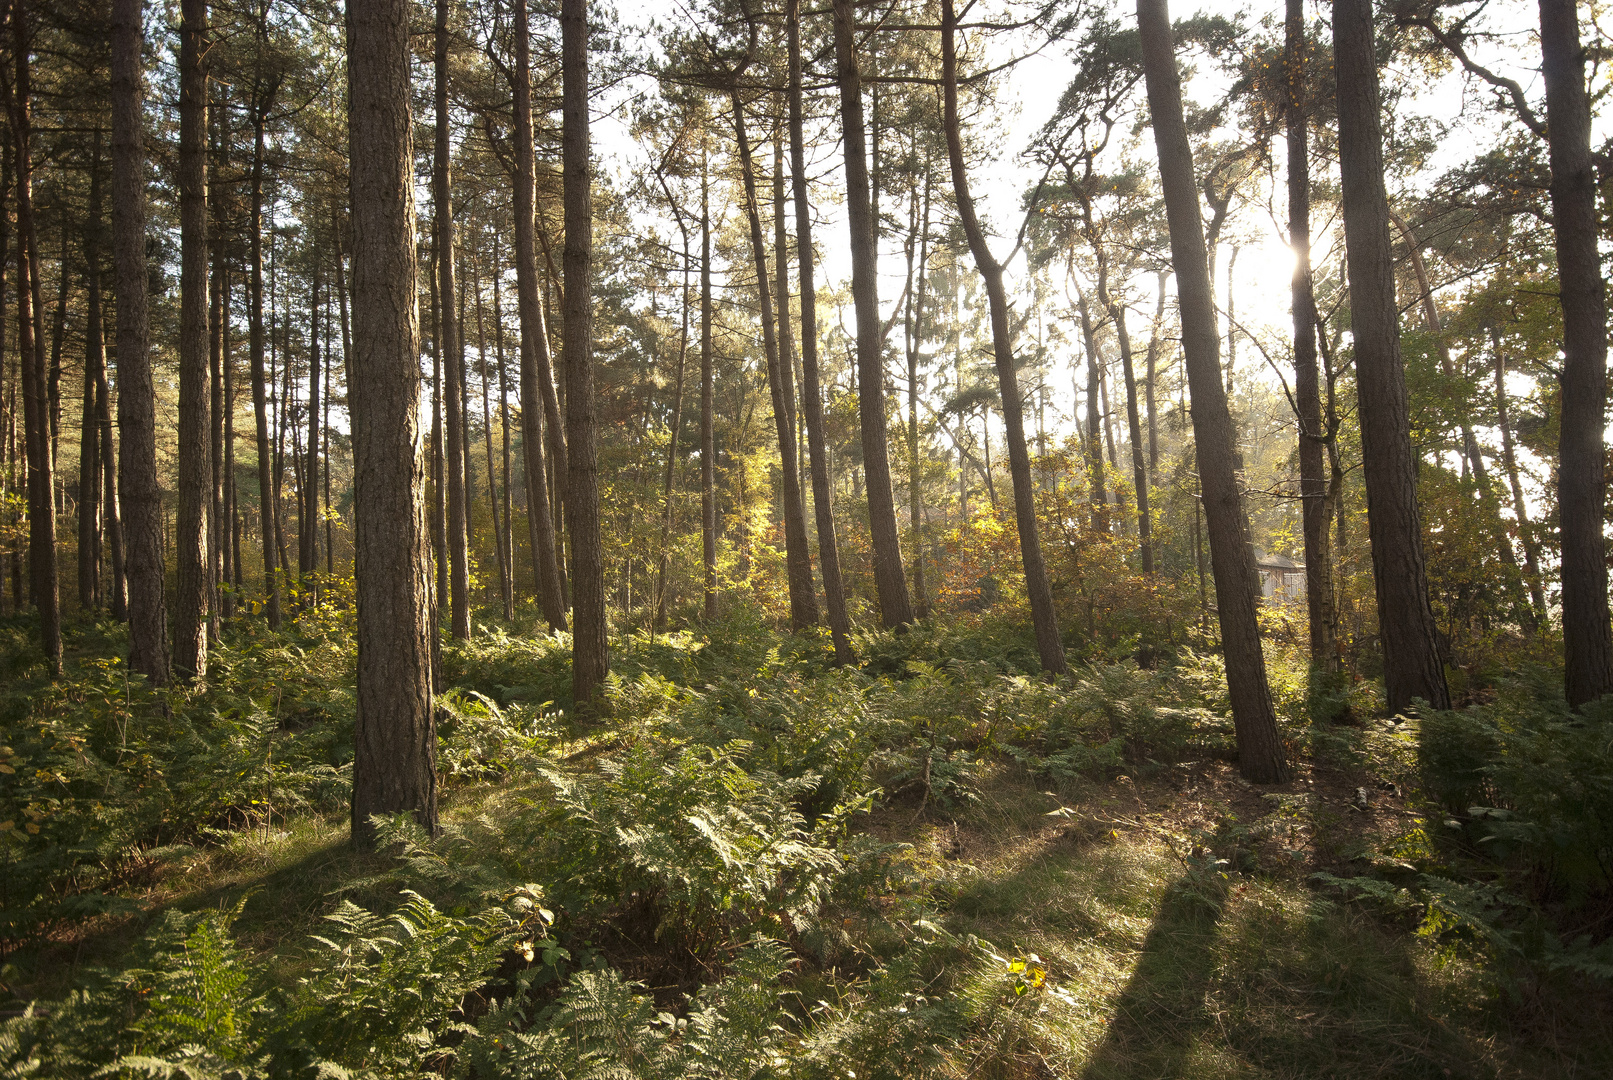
(1171,921)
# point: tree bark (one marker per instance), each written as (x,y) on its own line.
(1581,485)
(89,450)
(708,442)
(1509,461)
(452,345)
(263,99)
(1139,468)
(192,584)
(395,739)
(1261,758)
(664,565)
(1097,492)
(890,580)
(308,549)
(797,554)
(506,597)
(1413,667)
(537,379)
(1152,365)
(590,656)
(1049,645)
(31,357)
(1313,484)
(141,499)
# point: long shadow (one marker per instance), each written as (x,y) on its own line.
(1159,1016)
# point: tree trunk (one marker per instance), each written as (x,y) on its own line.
(1313,485)
(1509,461)
(308,553)
(89,449)
(890,581)
(664,565)
(1139,469)
(915,463)
(439,510)
(395,739)
(192,585)
(140,499)
(590,655)
(1261,758)
(708,442)
(507,535)
(255,347)
(452,345)
(1152,365)
(797,555)
(506,597)
(537,379)
(1581,486)
(31,357)
(118,598)
(1094,438)
(1049,644)
(1412,665)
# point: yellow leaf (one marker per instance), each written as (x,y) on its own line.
(33,828)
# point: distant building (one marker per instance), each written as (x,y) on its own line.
(1281,578)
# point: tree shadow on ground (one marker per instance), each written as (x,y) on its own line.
(1158,1018)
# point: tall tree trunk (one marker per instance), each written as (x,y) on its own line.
(1509,462)
(1261,758)
(1139,468)
(1313,484)
(118,598)
(590,656)
(664,565)
(708,442)
(1412,664)
(395,739)
(890,580)
(1152,363)
(191,584)
(255,347)
(797,555)
(308,552)
(1581,486)
(1049,644)
(31,355)
(537,380)
(89,450)
(506,598)
(217,338)
(915,339)
(452,346)
(439,498)
(140,498)
(501,501)
(1094,437)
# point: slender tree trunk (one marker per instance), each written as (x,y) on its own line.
(1049,644)
(308,555)
(140,498)
(797,554)
(439,498)
(507,529)
(1153,381)
(1581,485)
(1313,483)
(1261,757)
(192,585)
(1094,438)
(506,597)
(217,314)
(537,378)
(676,429)
(915,463)
(590,656)
(890,581)
(1139,469)
(395,739)
(452,346)
(708,442)
(31,355)
(89,450)
(255,347)
(1412,665)
(118,598)
(1509,462)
